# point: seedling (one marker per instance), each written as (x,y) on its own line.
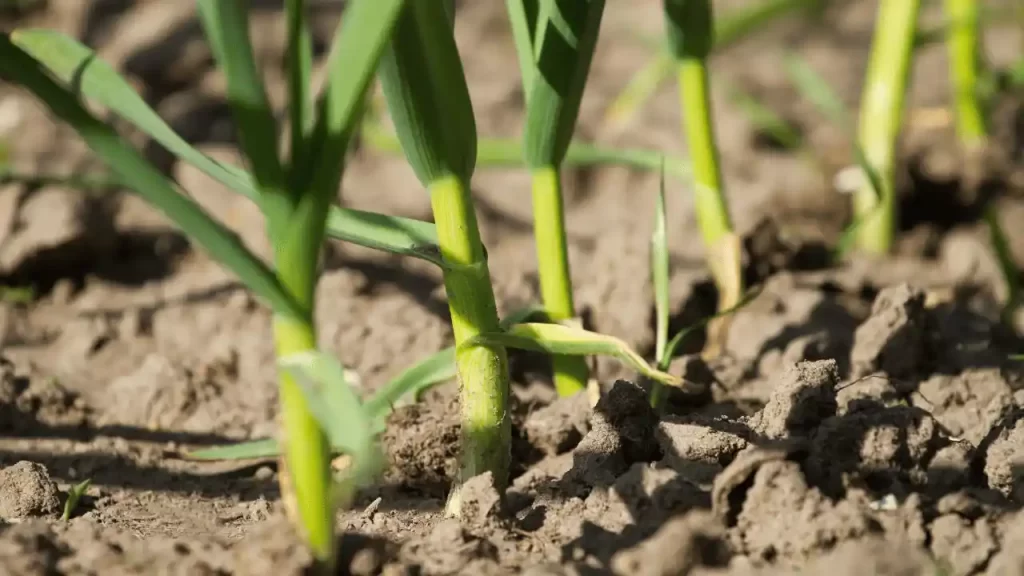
(75,494)
(690,32)
(294,195)
(881,114)
(664,348)
(555,43)
(966,71)
(728,30)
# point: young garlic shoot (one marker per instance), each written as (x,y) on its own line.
(555,42)
(295,196)
(880,121)
(690,31)
(963,42)
(427,97)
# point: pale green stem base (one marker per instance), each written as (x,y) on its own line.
(881,118)
(306,448)
(483,371)
(570,372)
(964,59)
(709,199)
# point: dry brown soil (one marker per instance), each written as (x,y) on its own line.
(864,419)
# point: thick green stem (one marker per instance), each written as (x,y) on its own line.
(483,371)
(306,447)
(964,60)
(881,117)
(570,372)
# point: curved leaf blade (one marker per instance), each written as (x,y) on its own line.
(568,340)
(132,169)
(79,67)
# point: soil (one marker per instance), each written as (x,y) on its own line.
(864,418)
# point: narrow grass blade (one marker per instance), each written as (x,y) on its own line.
(812,86)
(1007,264)
(299,55)
(766,121)
(660,272)
(226,23)
(816,90)
(88,75)
(639,90)
(356,51)
(508,152)
(523,16)
(679,337)
(340,412)
(660,280)
(402,236)
(432,370)
(75,494)
(428,372)
(132,169)
(567,340)
(251,450)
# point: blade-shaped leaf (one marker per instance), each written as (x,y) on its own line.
(430,371)
(767,121)
(813,87)
(356,51)
(673,344)
(339,411)
(565,41)
(508,152)
(263,448)
(79,67)
(567,340)
(522,15)
(132,169)
(331,400)
(226,23)
(300,105)
(660,271)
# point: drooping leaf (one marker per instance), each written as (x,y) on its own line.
(568,340)
(80,68)
(146,181)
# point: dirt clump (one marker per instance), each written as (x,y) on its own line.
(621,433)
(892,339)
(26,490)
(805,396)
(559,426)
